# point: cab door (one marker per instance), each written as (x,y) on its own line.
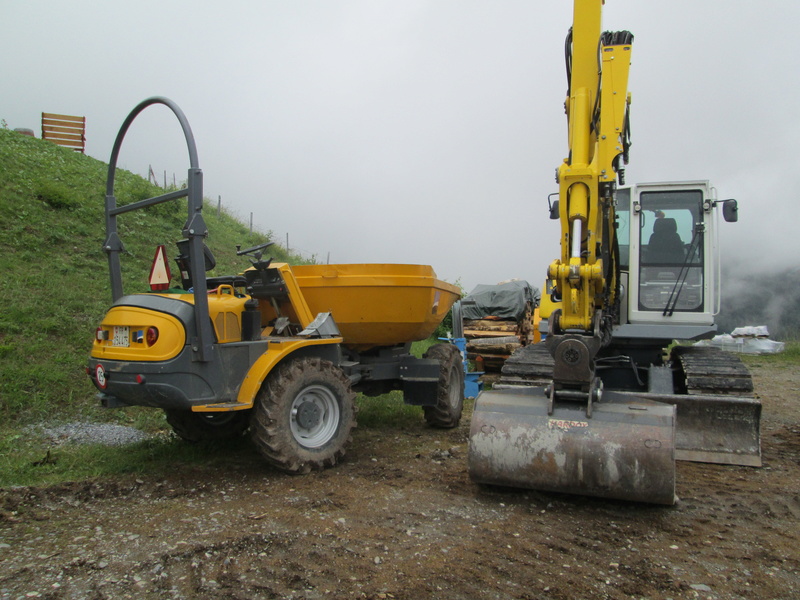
(671,251)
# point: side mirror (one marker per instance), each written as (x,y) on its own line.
(554,210)
(730,210)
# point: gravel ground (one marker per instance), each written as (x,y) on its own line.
(90,433)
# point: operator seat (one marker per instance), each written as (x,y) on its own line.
(665,244)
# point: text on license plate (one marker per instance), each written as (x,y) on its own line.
(121,336)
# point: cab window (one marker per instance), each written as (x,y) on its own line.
(671,255)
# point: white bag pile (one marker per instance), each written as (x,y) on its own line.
(745,340)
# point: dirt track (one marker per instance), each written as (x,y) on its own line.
(400,519)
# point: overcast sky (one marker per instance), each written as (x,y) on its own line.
(419,131)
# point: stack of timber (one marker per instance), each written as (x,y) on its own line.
(491,341)
(497,321)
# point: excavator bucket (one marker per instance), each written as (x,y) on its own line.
(625,450)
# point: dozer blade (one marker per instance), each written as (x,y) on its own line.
(719,419)
(718,429)
(626,450)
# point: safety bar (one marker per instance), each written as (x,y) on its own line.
(194,229)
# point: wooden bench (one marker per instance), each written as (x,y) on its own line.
(65,130)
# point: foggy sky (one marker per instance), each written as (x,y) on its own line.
(418,131)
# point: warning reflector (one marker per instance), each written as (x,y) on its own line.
(159,272)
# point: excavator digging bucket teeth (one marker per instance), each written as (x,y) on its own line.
(626,450)
(718,429)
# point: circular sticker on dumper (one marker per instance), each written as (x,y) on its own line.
(100,376)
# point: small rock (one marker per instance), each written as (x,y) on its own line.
(700,587)
(377,560)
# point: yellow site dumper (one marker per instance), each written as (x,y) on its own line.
(278,350)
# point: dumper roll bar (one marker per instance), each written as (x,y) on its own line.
(194,230)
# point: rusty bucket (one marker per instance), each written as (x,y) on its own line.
(625,450)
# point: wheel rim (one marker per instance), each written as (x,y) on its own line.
(455,388)
(314,416)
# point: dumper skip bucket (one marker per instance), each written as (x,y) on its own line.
(626,450)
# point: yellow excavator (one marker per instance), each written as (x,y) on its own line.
(601,407)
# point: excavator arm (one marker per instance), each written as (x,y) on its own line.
(585,277)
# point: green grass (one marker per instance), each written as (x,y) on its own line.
(30,461)
(387,411)
(789,358)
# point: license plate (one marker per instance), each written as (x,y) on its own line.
(121,336)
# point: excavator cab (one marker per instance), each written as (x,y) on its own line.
(667,239)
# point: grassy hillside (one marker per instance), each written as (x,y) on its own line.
(55,285)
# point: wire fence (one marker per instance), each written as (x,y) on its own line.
(302,253)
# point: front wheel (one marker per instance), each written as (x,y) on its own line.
(450,389)
(304,415)
(207,427)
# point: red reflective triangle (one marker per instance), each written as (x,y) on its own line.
(159,272)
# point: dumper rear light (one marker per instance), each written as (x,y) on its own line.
(151,337)
(101,335)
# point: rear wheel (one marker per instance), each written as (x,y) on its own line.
(304,415)
(207,427)
(450,389)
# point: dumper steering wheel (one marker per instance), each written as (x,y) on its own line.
(256,252)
